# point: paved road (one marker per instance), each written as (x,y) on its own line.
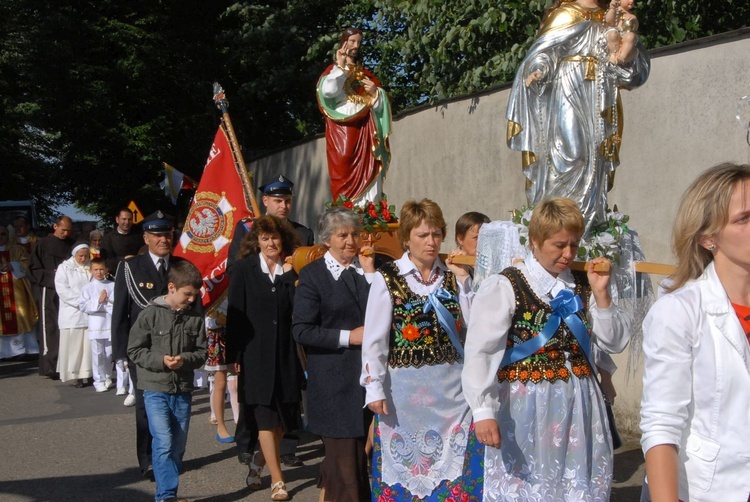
(61,444)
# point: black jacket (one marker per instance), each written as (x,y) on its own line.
(116,246)
(146,284)
(322,308)
(259,334)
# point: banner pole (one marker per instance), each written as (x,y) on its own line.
(221,102)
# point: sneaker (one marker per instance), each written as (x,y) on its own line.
(121,391)
(109,384)
(130,400)
(100,387)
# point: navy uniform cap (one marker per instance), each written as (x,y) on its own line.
(158,223)
(280,186)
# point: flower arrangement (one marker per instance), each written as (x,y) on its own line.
(374,216)
(602,239)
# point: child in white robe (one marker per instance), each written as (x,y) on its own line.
(96,301)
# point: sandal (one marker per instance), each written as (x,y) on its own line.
(278,491)
(253,476)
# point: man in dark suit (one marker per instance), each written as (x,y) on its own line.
(139,279)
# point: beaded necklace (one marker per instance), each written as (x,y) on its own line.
(429,282)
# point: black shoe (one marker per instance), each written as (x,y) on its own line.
(291,461)
(79,384)
(148,473)
(245,458)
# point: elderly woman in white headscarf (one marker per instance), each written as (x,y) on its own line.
(74,361)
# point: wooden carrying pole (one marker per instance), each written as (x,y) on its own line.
(640,266)
(221,102)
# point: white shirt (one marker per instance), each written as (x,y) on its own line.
(336,268)
(379,317)
(156,259)
(492,314)
(696,389)
(99,313)
(277,270)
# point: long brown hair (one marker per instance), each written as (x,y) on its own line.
(269,225)
(348,32)
(703,211)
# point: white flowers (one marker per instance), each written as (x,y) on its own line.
(602,239)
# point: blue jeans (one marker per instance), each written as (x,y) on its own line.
(168,421)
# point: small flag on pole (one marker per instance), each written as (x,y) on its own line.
(174,181)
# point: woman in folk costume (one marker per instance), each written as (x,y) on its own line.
(74,361)
(564,112)
(695,407)
(528,373)
(424,444)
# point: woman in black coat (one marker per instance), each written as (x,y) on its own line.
(329,314)
(259,340)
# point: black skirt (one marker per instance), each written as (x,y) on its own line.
(275,415)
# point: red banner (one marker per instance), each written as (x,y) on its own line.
(220,202)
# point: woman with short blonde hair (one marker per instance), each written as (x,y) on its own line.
(414,213)
(529,376)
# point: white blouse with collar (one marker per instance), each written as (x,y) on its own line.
(277,270)
(336,268)
(493,308)
(378,320)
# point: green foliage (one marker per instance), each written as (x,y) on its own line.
(452,48)
(95,95)
(274,60)
(107,91)
(425,50)
(667,22)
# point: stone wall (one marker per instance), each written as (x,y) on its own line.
(679,123)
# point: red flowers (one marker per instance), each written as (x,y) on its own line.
(373,215)
(372,211)
(410,332)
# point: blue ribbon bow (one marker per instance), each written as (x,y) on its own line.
(444,316)
(564,308)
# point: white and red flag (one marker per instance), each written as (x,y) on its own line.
(223,198)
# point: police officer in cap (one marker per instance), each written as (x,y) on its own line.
(139,279)
(277,197)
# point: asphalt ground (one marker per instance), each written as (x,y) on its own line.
(60,444)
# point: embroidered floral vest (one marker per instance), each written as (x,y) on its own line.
(416,338)
(548,363)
